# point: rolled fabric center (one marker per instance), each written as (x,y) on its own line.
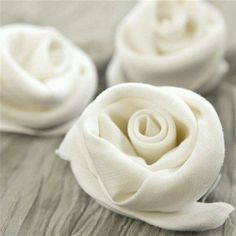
(152,133)
(175,24)
(48,59)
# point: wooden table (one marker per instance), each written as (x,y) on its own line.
(39,195)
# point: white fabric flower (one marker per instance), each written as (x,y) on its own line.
(178,43)
(45,80)
(150,153)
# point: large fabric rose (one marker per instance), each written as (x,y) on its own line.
(150,153)
(45,80)
(178,43)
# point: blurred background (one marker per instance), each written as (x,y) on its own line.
(89,24)
(92,24)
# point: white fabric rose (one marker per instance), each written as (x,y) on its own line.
(178,43)
(150,153)
(45,80)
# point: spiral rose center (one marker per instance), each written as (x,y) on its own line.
(152,134)
(169,20)
(148,126)
(175,24)
(42,56)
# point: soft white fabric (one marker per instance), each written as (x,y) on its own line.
(178,43)
(45,80)
(150,153)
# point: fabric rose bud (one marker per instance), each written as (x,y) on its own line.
(46,81)
(178,43)
(150,153)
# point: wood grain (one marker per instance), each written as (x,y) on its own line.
(39,194)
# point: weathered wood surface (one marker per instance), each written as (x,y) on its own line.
(38,193)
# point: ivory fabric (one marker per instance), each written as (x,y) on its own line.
(150,153)
(177,43)
(46,81)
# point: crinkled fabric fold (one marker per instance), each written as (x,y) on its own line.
(150,153)
(46,81)
(176,43)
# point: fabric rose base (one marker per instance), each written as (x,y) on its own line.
(175,43)
(150,153)
(45,80)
